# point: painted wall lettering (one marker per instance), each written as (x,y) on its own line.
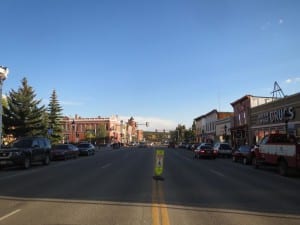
(279,115)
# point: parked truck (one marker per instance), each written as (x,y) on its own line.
(280,150)
(25,151)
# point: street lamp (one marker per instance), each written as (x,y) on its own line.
(3,75)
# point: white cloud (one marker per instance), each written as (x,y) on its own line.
(266,25)
(154,123)
(292,80)
(288,81)
(280,21)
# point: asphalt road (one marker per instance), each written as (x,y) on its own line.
(116,187)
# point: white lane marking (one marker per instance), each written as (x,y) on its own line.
(106,165)
(217,173)
(10,214)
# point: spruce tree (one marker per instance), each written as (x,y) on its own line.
(23,116)
(54,119)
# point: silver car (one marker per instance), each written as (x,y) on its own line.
(223,149)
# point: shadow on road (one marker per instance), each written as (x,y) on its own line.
(125,177)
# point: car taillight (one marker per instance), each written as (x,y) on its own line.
(202,151)
(215,152)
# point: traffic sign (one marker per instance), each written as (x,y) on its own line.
(159,163)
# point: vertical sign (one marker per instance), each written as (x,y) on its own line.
(159,162)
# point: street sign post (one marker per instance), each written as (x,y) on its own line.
(159,164)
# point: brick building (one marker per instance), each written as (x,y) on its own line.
(76,129)
(240,131)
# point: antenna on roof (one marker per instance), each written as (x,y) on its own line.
(277,92)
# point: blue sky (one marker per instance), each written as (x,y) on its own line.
(162,61)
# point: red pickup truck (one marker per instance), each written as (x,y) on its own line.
(279,150)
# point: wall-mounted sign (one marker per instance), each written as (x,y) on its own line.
(275,116)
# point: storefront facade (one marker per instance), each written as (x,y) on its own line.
(280,116)
(223,130)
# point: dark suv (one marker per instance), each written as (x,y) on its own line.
(26,150)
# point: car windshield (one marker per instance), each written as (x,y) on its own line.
(225,146)
(61,147)
(84,146)
(245,149)
(25,143)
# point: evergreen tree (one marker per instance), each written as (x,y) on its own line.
(23,116)
(4,105)
(54,119)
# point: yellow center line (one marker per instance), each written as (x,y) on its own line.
(160,215)
(165,215)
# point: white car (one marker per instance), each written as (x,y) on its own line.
(223,149)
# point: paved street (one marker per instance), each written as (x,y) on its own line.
(115,187)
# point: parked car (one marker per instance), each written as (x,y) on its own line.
(205,151)
(115,145)
(223,149)
(243,154)
(194,146)
(25,151)
(143,145)
(278,150)
(64,151)
(86,149)
(171,144)
(182,145)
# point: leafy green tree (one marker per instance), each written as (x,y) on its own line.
(23,115)
(4,105)
(4,102)
(101,133)
(180,133)
(55,132)
(90,135)
(189,135)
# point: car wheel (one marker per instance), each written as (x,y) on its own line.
(47,159)
(26,163)
(245,161)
